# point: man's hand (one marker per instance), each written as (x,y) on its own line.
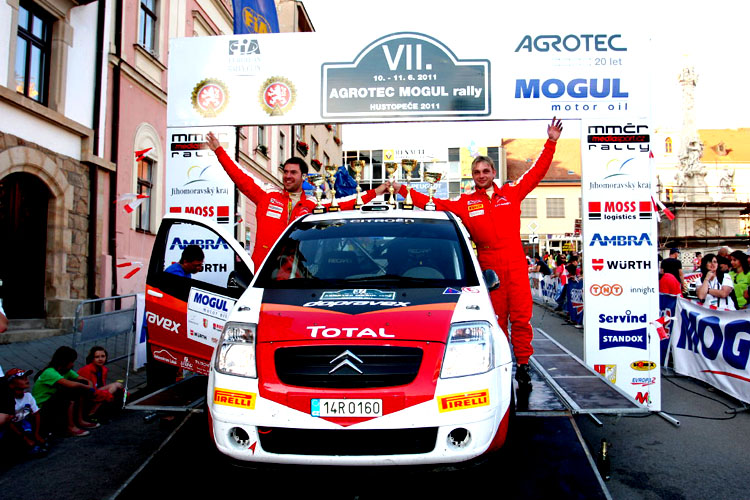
(213,142)
(382,188)
(554,129)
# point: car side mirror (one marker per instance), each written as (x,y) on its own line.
(491,279)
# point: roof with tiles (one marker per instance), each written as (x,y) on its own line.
(725,145)
(566,164)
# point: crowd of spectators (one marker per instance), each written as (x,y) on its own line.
(722,280)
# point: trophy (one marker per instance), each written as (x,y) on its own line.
(391,168)
(317,181)
(408,166)
(330,171)
(358,166)
(432,178)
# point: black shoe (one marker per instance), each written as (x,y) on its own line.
(523,376)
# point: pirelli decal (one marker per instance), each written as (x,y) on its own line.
(463,400)
(476,206)
(237,399)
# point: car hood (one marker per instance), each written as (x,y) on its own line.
(408,314)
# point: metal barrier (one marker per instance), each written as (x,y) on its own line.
(109,323)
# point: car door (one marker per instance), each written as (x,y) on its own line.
(185,316)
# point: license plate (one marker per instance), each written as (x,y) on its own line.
(346,407)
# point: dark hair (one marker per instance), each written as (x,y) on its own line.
(742,257)
(191,254)
(92,352)
(60,359)
(295,160)
(674,272)
(704,267)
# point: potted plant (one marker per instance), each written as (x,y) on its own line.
(302,147)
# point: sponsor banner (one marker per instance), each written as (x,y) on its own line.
(288,78)
(713,346)
(667,309)
(619,234)
(219,256)
(206,315)
(544,289)
(195,181)
(574,302)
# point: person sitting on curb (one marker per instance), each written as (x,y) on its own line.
(24,428)
(60,393)
(96,372)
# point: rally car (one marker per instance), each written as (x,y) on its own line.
(365,338)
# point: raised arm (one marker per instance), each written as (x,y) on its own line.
(242,179)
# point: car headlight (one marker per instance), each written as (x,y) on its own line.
(469,350)
(236,351)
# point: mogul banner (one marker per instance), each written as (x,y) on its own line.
(713,346)
(620,238)
(288,78)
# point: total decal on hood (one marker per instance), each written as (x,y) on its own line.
(416,314)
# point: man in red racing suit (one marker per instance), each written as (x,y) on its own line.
(492,215)
(276,210)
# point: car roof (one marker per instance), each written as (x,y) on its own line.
(369,213)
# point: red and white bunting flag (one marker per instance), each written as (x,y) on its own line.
(660,324)
(140,154)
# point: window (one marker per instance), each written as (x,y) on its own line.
(145,186)
(261,136)
(282,146)
(33,48)
(528,208)
(314,149)
(147,27)
(326,159)
(668,145)
(298,133)
(555,207)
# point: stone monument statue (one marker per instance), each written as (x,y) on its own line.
(691,176)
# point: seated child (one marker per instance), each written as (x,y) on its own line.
(25,424)
(96,372)
(61,393)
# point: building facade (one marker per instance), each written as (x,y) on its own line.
(83,96)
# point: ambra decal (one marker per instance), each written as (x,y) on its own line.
(237,399)
(219,256)
(463,401)
(207,313)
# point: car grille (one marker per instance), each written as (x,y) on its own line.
(347,367)
(285,441)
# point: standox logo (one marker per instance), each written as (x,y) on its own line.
(620,240)
(463,400)
(622,338)
(245,400)
(619,210)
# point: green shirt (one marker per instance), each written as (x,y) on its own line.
(741,283)
(45,386)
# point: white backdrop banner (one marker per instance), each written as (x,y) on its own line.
(620,248)
(713,346)
(288,78)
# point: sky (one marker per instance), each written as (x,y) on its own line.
(710,36)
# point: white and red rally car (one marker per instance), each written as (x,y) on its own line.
(366,338)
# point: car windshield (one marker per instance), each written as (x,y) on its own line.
(395,252)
